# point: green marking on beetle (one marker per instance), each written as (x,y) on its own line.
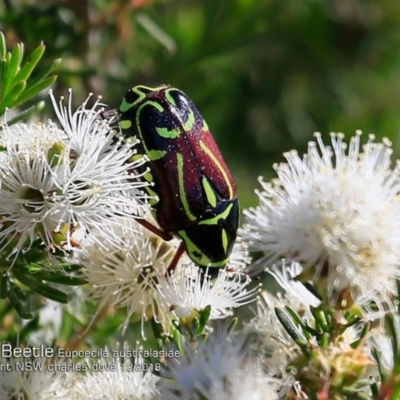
(153,154)
(214,220)
(125,124)
(156,154)
(182,193)
(210,194)
(169,97)
(190,122)
(195,253)
(152,103)
(124,106)
(141,91)
(219,166)
(224,240)
(205,126)
(167,133)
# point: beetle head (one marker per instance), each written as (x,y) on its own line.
(209,240)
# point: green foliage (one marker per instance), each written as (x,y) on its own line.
(35,273)
(16,85)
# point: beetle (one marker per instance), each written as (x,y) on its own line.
(194,196)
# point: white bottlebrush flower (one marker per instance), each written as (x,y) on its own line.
(336,211)
(252,383)
(239,258)
(188,290)
(32,137)
(119,382)
(285,275)
(383,345)
(125,274)
(27,184)
(98,182)
(40,383)
(219,368)
(53,180)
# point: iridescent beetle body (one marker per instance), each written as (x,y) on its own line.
(195,193)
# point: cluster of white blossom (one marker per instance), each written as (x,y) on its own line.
(334,212)
(55,179)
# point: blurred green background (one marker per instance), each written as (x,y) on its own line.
(265,74)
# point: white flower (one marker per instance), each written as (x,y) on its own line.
(41,383)
(249,382)
(285,275)
(189,290)
(383,345)
(53,180)
(336,212)
(33,137)
(116,383)
(239,258)
(98,182)
(125,275)
(27,186)
(219,368)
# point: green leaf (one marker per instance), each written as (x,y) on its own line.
(25,279)
(2,76)
(52,293)
(37,272)
(30,64)
(15,301)
(71,267)
(3,49)
(12,68)
(291,329)
(25,332)
(232,324)
(12,96)
(158,330)
(38,78)
(396,391)
(179,327)
(374,390)
(156,31)
(311,288)
(26,113)
(19,292)
(204,317)
(34,90)
(194,327)
(66,280)
(366,328)
(307,330)
(320,319)
(4,286)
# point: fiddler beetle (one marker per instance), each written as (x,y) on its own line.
(194,195)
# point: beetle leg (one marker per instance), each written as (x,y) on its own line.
(148,225)
(157,231)
(179,251)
